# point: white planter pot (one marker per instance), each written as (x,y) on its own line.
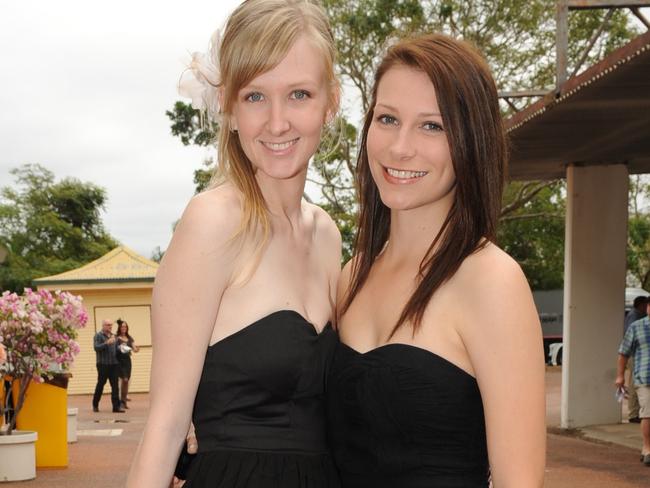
(18,456)
(72,424)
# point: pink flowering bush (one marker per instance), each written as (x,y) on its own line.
(38,332)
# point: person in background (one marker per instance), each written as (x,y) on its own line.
(106,351)
(636,344)
(125,345)
(637,312)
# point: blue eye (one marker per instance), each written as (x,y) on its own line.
(300,95)
(387,120)
(254,97)
(432,126)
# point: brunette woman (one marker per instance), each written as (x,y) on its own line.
(125,346)
(439,377)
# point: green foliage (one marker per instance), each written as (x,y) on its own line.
(157,254)
(188,124)
(49,227)
(533,233)
(517,39)
(361,28)
(332,169)
(638,249)
(638,235)
(202,176)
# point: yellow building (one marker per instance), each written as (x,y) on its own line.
(117,285)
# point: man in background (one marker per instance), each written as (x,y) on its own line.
(107,367)
(636,344)
(637,312)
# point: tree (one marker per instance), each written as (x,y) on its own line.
(190,127)
(518,40)
(638,234)
(157,254)
(532,231)
(49,227)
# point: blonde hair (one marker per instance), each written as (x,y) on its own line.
(257,36)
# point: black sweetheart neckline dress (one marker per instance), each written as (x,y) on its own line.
(402,416)
(259,411)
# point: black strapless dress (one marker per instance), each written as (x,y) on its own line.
(259,411)
(401,416)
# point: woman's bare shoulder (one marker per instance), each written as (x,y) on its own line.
(224,201)
(207,225)
(490,265)
(212,213)
(491,280)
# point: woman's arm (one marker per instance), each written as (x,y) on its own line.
(503,338)
(189,284)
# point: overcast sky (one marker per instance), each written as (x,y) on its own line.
(83,91)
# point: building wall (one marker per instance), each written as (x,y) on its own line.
(128,303)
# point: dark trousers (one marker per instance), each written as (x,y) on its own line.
(106,372)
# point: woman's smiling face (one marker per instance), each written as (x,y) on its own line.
(408,150)
(280,113)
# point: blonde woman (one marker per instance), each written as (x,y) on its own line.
(251,271)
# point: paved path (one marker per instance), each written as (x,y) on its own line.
(107,442)
(578,463)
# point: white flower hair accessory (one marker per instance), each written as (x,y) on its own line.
(201,78)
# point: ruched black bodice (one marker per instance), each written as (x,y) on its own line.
(259,411)
(401,416)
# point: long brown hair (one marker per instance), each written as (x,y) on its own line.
(468,101)
(120,323)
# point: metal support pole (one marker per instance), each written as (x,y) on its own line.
(561,43)
(523,93)
(590,4)
(512,105)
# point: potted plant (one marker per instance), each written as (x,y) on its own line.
(38,332)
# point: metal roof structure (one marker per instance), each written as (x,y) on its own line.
(119,265)
(601,116)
